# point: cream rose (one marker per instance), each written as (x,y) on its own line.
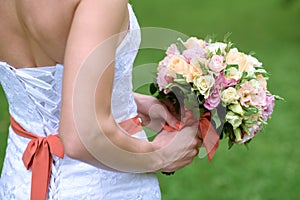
(204,84)
(229,96)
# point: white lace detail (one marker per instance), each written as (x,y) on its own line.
(34,96)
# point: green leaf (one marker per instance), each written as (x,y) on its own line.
(250,110)
(179,76)
(230,144)
(216,118)
(260,71)
(251,53)
(180,81)
(244,75)
(180,45)
(245,128)
(278,98)
(226,37)
(232,65)
(219,52)
(153,88)
(210,38)
(238,134)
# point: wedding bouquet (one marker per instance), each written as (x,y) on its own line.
(216,84)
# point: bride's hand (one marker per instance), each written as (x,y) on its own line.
(153,113)
(179,147)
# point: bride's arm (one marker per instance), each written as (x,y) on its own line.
(87,127)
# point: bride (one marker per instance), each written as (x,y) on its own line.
(75,128)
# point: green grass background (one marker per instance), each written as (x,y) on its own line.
(270,168)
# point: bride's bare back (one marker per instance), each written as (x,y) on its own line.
(34,33)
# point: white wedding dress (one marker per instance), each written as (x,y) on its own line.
(34,96)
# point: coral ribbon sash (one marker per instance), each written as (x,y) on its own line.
(208,134)
(37,155)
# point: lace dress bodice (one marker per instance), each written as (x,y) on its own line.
(34,97)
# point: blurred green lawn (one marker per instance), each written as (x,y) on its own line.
(270,168)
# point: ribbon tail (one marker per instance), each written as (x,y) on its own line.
(29,153)
(169,128)
(41,169)
(209,135)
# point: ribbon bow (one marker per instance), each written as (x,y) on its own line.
(37,157)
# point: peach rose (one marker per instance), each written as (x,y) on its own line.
(194,42)
(237,58)
(194,70)
(179,65)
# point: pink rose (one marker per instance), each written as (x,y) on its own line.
(252,93)
(173,50)
(214,98)
(268,108)
(162,78)
(226,82)
(195,52)
(253,130)
(216,63)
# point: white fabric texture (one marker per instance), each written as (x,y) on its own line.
(34,97)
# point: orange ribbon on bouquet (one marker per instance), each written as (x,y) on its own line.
(208,133)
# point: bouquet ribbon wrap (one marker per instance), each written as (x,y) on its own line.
(208,133)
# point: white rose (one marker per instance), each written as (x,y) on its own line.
(233,119)
(236,108)
(253,61)
(214,47)
(204,84)
(229,96)
(233,73)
